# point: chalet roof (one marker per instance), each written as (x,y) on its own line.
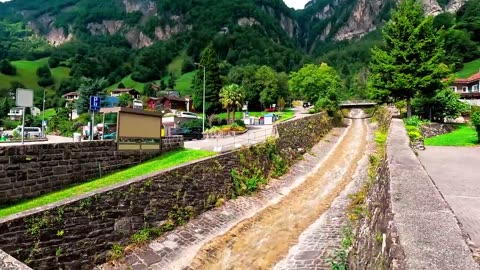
(71,94)
(125,90)
(475,77)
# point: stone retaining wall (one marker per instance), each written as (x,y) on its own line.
(435,129)
(31,170)
(78,233)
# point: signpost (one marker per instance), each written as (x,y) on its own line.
(24,99)
(95,105)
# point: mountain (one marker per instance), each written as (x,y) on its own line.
(116,38)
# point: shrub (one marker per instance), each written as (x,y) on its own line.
(414,135)
(240,123)
(413,121)
(476,122)
(7,68)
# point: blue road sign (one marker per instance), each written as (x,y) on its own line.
(95,103)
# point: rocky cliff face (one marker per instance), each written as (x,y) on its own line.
(362,20)
(362,16)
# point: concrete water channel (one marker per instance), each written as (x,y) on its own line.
(264,231)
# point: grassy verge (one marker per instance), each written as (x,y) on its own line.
(27,74)
(464,135)
(163,162)
(469,69)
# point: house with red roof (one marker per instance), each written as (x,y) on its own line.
(468,88)
(171,103)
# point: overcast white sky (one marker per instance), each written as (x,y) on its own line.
(296,4)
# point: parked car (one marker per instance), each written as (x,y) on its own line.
(29,132)
(187,133)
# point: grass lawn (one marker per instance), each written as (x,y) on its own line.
(165,161)
(465,135)
(469,69)
(176,65)
(183,85)
(48,113)
(27,74)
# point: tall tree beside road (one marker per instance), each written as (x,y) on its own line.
(411,61)
(89,87)
(213,80)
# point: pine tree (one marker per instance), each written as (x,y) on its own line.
(210,61)
(89,87)
(410,62)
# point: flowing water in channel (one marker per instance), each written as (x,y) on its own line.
(262,240)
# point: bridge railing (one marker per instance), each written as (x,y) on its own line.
(361,101)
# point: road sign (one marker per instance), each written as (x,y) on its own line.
(24,98)
(44,123)
(95,103)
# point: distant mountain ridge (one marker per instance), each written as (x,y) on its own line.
(142,22)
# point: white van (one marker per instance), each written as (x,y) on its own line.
(29,132)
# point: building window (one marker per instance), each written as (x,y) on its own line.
(454,88)
(475,88)
(465,89)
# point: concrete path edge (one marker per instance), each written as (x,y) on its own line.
(428,230)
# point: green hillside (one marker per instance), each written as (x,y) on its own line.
(26,74)
(184,82)
(469,69)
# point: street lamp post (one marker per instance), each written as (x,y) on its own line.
(204,86)
(43,115)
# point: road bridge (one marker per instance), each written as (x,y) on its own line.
(357,104)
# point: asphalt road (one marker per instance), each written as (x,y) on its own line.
(456,173)
(51,139)
(255,134)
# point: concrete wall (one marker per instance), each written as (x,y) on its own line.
(31,170)
(79,232)
(408,224)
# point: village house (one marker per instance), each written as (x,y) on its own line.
(173,103)
(132,92)
(468,88)
(72,96)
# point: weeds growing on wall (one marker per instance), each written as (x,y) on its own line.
(258,163)
(357,208)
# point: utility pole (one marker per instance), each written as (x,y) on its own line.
(204,86)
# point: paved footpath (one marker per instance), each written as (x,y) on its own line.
(456,173)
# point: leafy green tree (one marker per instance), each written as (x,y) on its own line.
(7,68)
(148,90)
(213,81)
(245,76)
(319,84)
(172,81)
(410,62)
(45,76)
(125,100)
(445,104)
(89,87)
(267,83)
